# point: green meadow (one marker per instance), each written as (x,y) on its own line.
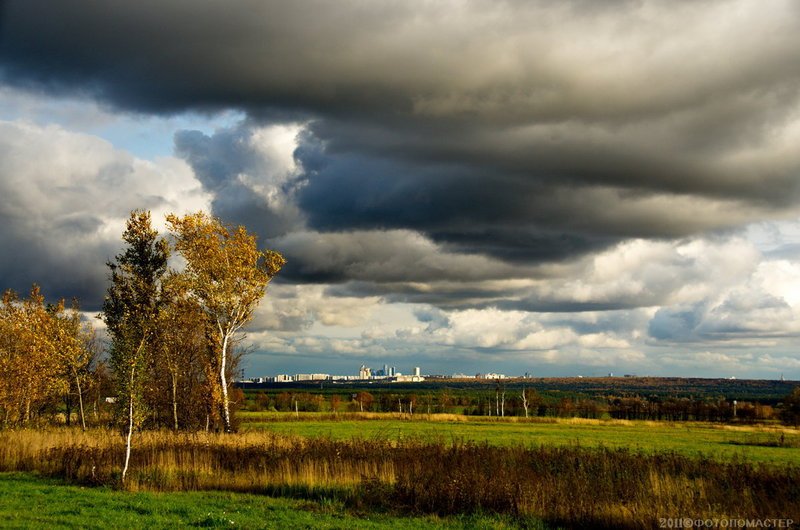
(757,444)
(30,501)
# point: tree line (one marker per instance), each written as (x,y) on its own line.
(173,333)
(528,402)
(47,357)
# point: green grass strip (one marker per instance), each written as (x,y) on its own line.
(29,501)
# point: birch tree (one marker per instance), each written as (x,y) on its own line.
(530,400)
(181,364)
(75,347)
(525,400)
(227,274)
(130,311)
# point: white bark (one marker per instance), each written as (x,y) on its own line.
(131,398)
(525,402)
(175,399)
(226,414)
(129,434)
(80,402)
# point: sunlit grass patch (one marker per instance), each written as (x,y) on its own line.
(690,439)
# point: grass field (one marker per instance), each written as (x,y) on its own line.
(692,439)
(374,469)
(29,501)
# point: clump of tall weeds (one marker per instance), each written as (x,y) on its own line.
(596,487)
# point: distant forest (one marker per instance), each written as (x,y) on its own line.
(631,398)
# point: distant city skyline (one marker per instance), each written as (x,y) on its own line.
(558,188)
(447,370)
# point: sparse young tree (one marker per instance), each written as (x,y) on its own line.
(364,400)
(226,274)
(75,351)
(131,311)
(500,399)
(336,399)
(445,401)
(179,367)
(525,400)
(99,385)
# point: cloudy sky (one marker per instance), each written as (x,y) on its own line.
(557,188)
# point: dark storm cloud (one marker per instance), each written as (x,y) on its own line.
(519,218)
(449,295)
(508,216)
(169,56)
(522,132)
(60,273)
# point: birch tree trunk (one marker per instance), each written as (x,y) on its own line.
(129,434)
(226,414)
(80,402)
(525,402)
(175,399)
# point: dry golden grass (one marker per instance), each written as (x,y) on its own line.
(185,461)
(266,417)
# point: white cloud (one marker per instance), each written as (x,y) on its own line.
(721,294)
(295,308)
(66,197)
(642,273)
(780,278)
(277,144)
